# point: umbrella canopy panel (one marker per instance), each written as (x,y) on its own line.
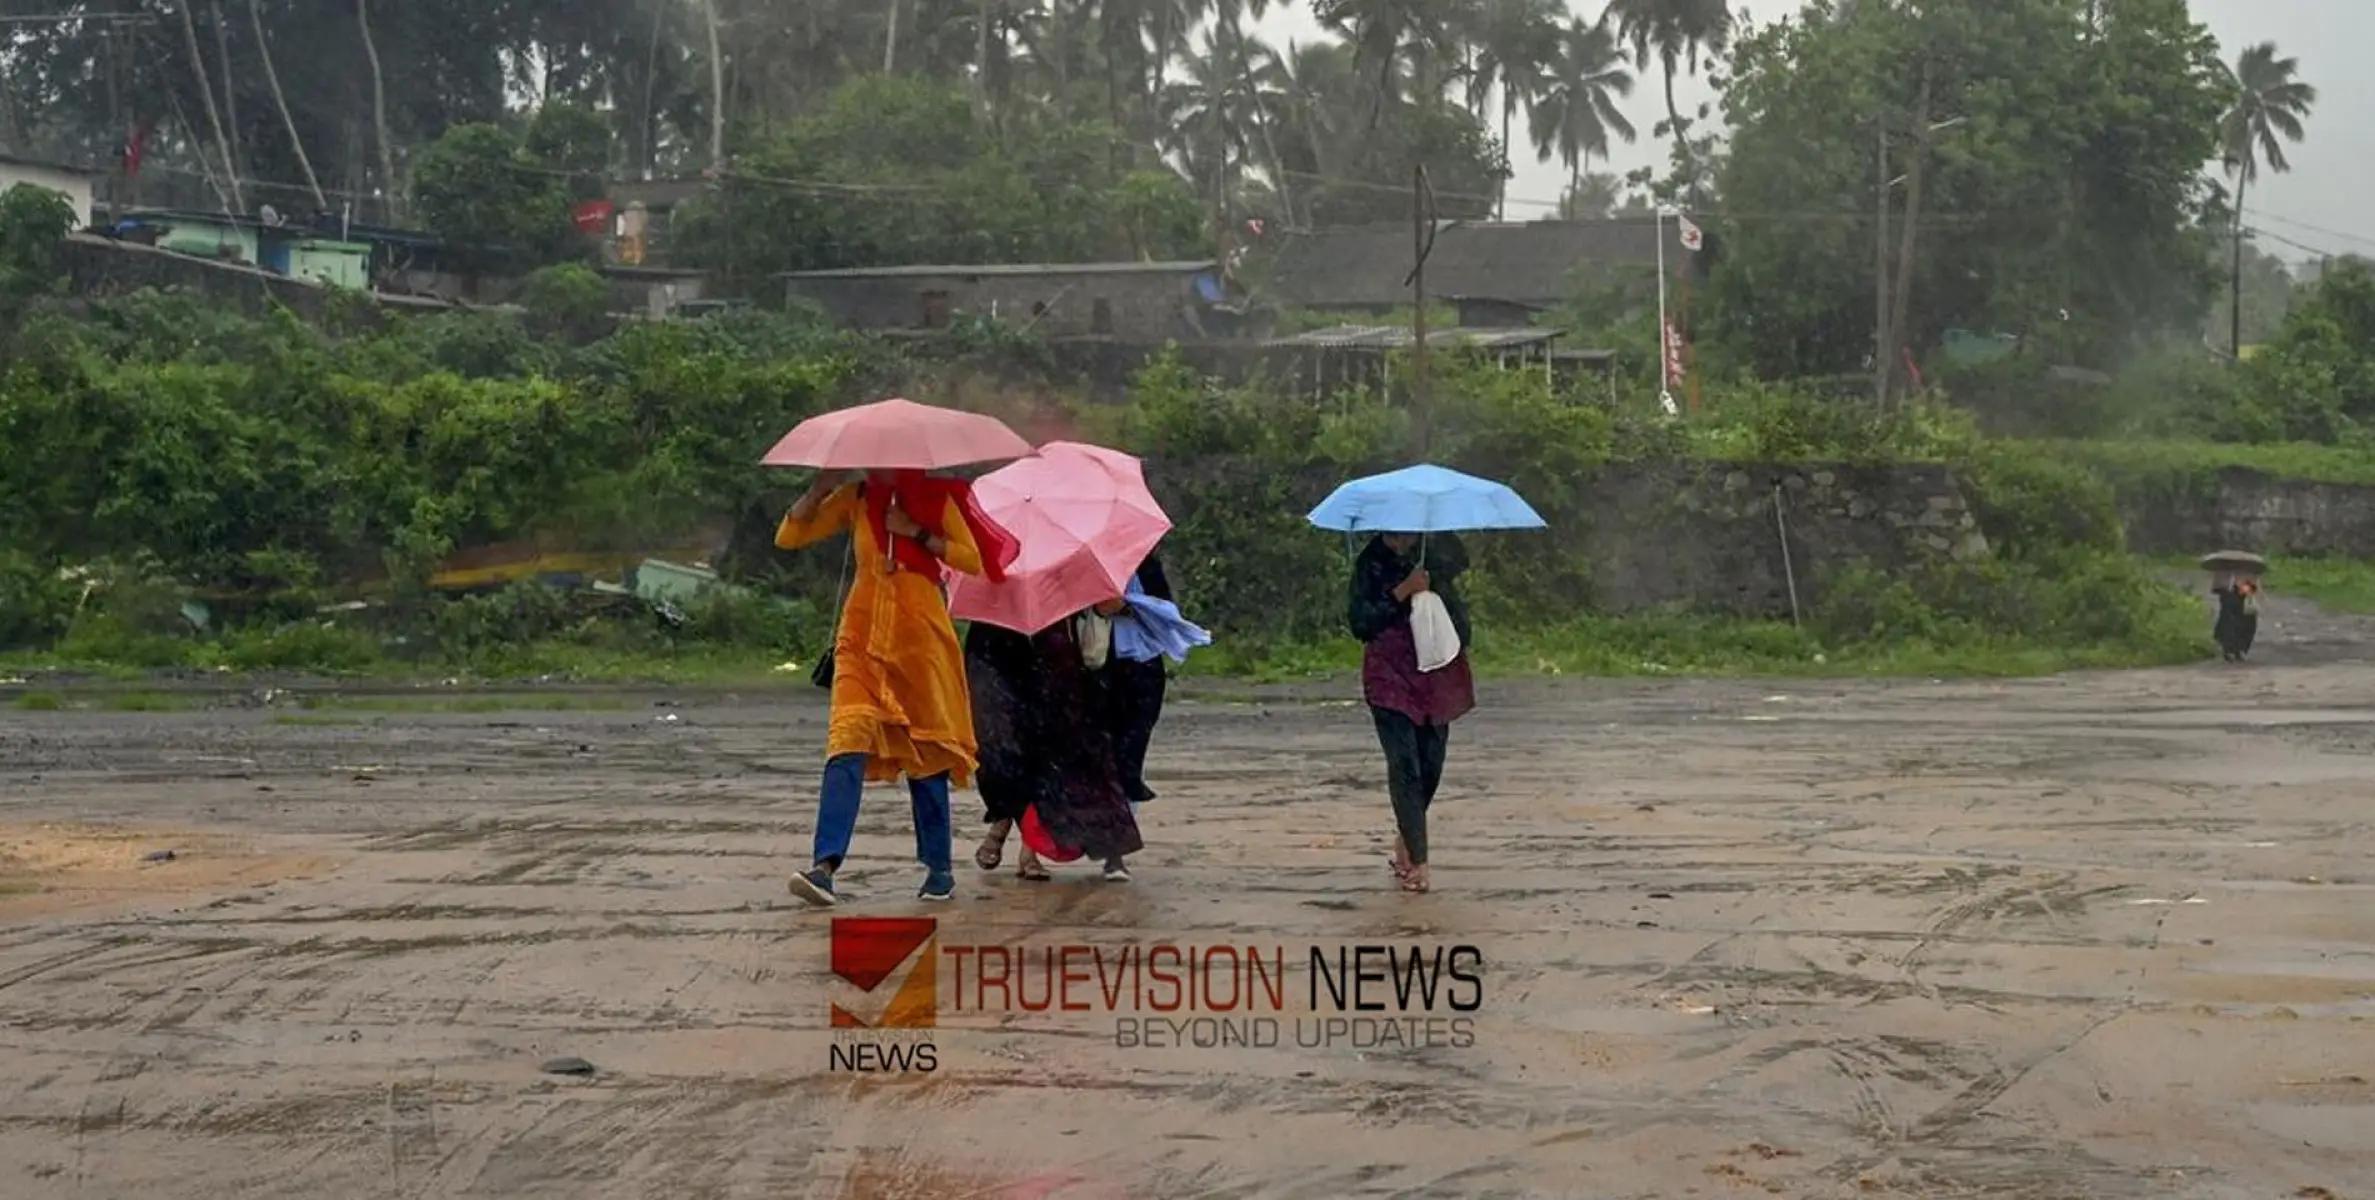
(1424,499)
(891,435)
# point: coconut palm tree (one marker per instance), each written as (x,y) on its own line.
(1576,110)
(1514,43)
(1385,33)
(1677,33)
(2269,106)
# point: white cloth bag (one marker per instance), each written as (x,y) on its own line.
(1430,626)
(1094,631)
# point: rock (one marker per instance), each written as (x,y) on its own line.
(1825,478)
(158,856)
(569,1066)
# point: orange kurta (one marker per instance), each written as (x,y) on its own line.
(899,693)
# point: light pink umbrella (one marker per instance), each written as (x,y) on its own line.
(892,435)
(1085,521)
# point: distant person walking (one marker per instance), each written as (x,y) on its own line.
(901,706)
(2238,614)
(1413,709)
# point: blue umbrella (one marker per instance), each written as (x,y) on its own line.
(1424,499)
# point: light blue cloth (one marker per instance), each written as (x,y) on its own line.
(1150,629)
(1424,499)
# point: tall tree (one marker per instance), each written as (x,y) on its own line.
(214,116)
(1386,33)
(2072,183)
(280,102)
(2270,103)
(1514,44)
(1678,33)
(1577,111)
(379,111)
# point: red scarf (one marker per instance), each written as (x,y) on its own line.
(925,499)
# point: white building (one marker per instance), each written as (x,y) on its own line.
(73,181)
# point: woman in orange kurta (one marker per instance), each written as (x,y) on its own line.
(901,706)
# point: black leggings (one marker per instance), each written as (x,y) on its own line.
(1413,770)
(1134,704)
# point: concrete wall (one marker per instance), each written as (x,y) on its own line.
(75,185)
(1703,536)
(1144,307)
(2240,509)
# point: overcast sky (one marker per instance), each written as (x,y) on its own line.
(2326,205)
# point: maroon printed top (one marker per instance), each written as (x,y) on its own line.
(1390,679)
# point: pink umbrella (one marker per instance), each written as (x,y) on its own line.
(892,435)
(1085,521)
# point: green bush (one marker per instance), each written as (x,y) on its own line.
(2029,503)
(36,606)
(272,462)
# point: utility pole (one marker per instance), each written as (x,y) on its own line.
(1422,242)
(1901,297)
(1880,338)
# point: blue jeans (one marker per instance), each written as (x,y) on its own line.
(837,814)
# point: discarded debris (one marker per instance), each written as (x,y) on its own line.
(569,1066)
(158,856)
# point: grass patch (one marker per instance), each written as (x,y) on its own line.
(1677,645)
(2344,585)
(40,702)
(2314,462)
(462,704)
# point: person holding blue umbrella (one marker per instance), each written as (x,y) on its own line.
(1405,606)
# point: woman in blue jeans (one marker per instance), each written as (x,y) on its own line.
(901,707)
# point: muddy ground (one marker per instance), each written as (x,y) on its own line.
(2093,936)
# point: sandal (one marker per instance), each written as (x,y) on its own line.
(1400,861)
(1416,881)
(992,850)
(1031,870)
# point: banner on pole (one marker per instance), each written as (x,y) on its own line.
(1692,239)
(1675,370)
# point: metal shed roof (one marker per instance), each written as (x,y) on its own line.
(1397,337)
(1011,269)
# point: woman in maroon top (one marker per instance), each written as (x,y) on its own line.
(1413,709)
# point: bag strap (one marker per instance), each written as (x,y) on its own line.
(849,562)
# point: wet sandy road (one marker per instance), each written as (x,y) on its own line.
(2098,936)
